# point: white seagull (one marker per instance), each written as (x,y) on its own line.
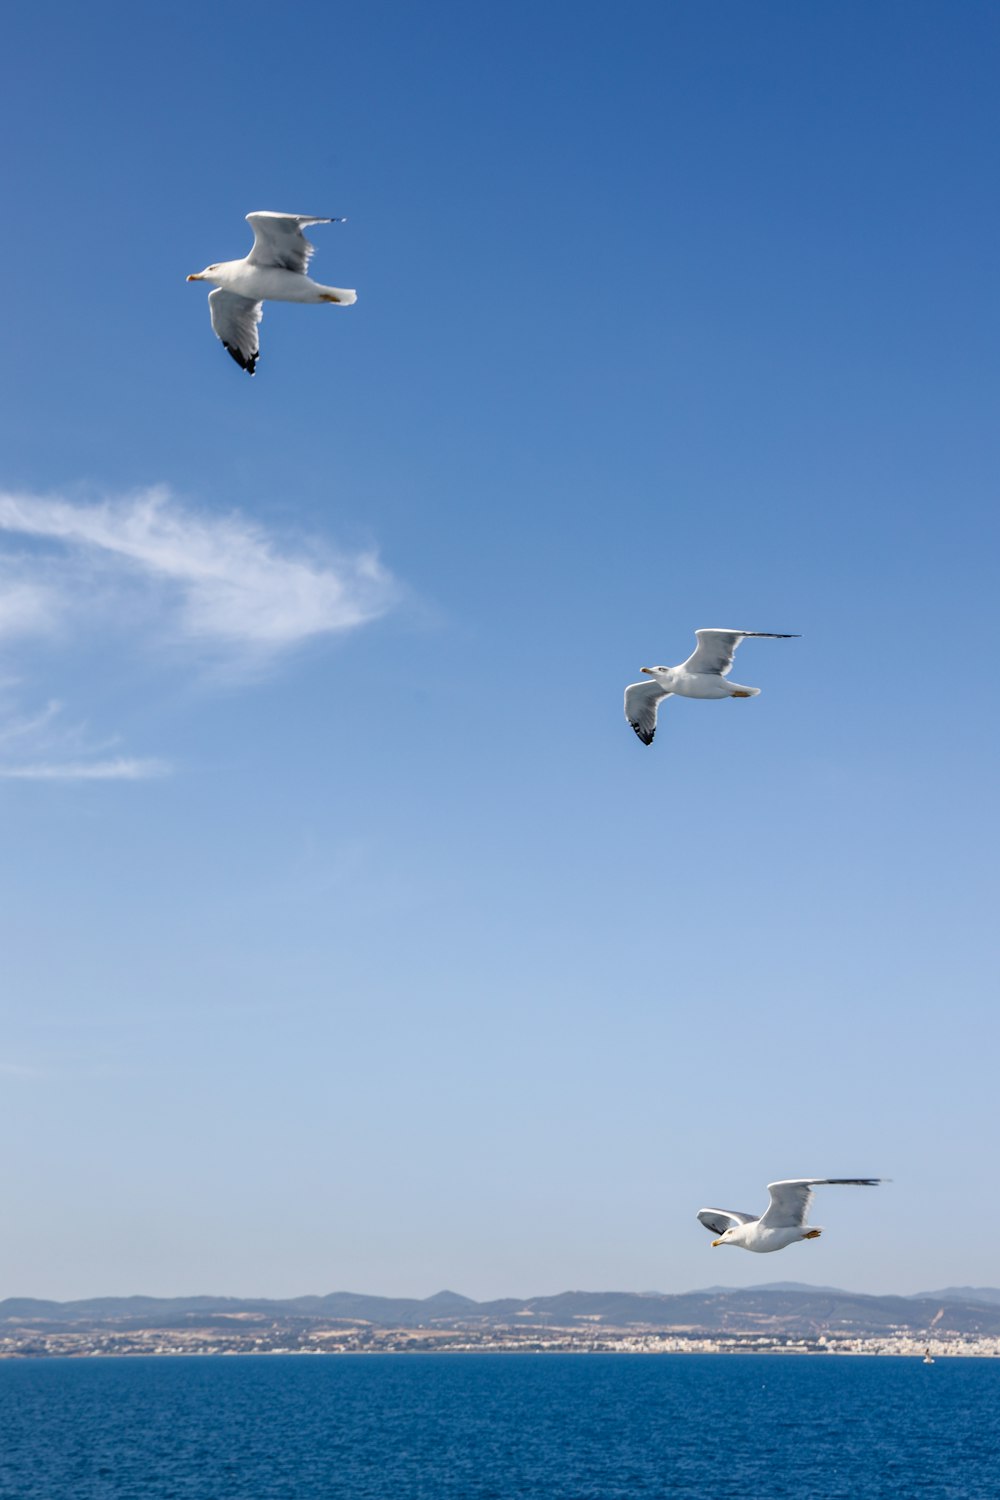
(275,270)
(783,1221)
(703,675)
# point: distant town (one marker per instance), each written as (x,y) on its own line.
(764,1320)
(152,1341)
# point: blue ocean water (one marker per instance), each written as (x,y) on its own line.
(498,1426)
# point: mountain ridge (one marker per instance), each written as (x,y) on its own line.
(795,1307)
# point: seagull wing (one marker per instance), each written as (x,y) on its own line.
(278,241)
(790,1200)
(642,699)
(235,320)
(716,649)
(718,1220)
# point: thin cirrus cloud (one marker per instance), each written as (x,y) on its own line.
(220,584)
(57,750)
(225,581)
(121,768)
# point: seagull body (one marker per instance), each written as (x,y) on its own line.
(703,675)
(783,1221)
(274,271)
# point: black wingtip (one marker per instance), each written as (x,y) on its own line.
(647,739)
(245,363)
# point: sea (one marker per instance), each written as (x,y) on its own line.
(498,1426)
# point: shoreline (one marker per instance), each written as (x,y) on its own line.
(147,1345)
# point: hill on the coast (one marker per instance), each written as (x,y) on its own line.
(966,1294)
(791,1308)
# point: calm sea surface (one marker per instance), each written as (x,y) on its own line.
(492,1427)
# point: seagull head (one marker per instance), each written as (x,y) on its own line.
(655,671)
(726,1238)
(205,275)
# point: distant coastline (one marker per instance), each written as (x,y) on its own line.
(762,1320)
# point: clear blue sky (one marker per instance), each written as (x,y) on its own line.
(350,938)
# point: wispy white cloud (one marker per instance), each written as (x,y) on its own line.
(220,580)
(37,724)
(47,747)
(123,768)
(146,569)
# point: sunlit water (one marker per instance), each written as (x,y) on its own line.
(492,1427)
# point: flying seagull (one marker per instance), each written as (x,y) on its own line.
(703,675)
(275,270)
(783,1221)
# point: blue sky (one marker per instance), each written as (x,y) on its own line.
(350,937)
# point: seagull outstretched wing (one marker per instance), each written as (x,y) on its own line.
(718,1220)
(642,699)
(235,320)
(790,1200)
(278,240)
(716,649)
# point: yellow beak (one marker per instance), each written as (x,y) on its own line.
(716,1242)
(648,670)
(195,278)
